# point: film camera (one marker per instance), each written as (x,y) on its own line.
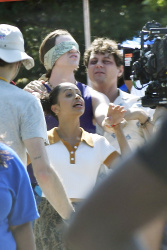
(149,64)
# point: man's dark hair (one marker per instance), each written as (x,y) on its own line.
(103,46)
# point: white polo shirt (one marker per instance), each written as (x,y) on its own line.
(78,166)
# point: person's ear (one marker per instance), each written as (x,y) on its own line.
(121,70)
(55,109)
(18,65)
(15,67)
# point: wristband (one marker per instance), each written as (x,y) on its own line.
(111,126)
(144,123)
(38,190)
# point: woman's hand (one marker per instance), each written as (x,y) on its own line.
(115,115)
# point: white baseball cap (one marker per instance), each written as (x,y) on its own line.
(12,46)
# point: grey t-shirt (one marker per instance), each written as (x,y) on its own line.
(21,118)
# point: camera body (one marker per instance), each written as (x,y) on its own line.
(150,67)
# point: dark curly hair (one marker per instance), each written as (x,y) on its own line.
(49,99)
(102,46)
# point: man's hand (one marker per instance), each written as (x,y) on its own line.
(36,88)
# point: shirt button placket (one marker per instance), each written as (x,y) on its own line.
(72,159)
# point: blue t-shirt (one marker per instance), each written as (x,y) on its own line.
(17,202)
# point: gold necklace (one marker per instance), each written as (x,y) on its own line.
(2,78)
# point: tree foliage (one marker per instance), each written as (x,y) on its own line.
(119,20)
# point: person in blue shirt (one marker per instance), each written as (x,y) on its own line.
(17,203)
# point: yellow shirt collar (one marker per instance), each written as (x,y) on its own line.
(53,137)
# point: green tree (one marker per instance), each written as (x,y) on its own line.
(119,20)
